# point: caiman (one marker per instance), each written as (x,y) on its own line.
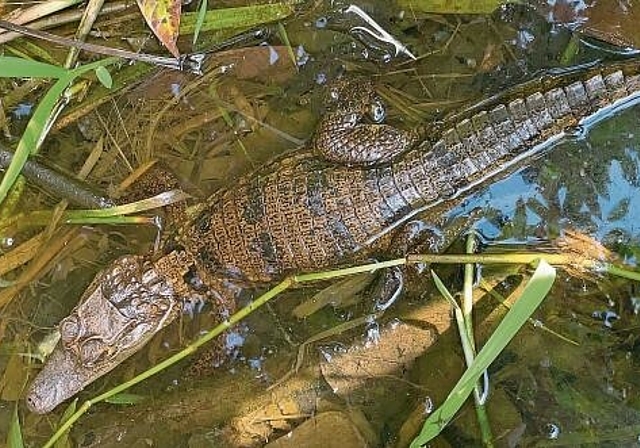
(338,199)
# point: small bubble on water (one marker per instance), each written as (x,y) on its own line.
(428,405)
(553,431)
(321,22)
(7,242)
(302,57)
(22,110)
(546,362)
(273,55)
(635,304)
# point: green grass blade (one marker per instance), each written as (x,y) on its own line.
(13,67)
(32,134)
(201,16)
(14,438)
(442,289)
(159,200)
(454,6)
(532,295)
(242,17)
(42,118)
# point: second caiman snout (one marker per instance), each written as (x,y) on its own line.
(122,309)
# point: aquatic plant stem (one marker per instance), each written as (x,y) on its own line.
(481,392)
(612,269)
(91,11)
(505,258)
(532,295)
(467,292)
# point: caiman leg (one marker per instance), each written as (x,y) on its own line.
(417,237)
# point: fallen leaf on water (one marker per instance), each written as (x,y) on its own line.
(163,17)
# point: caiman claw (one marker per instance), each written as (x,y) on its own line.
(125,305)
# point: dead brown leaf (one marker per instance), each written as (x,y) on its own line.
(163,17)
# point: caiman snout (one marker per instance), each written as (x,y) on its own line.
(125,305)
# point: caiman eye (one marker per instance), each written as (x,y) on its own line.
(92,351)
(377,111)
(69,330)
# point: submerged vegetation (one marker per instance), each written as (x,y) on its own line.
(104,117)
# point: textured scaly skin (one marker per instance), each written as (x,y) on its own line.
(304,213)
(335,201)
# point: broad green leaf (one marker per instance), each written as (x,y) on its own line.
(454,6)
(104,77)
(532,295)
(241,17)
(12,67)
(163,17)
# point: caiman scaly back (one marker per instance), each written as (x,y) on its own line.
(332,202)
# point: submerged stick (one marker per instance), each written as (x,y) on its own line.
(76,192)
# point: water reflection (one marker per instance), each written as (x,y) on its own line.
(591,184)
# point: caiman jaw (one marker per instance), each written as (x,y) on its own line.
(122,309)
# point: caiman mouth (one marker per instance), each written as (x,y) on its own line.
(123,308)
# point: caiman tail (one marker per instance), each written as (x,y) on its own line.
(487,139)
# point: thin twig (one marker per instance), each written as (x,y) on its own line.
(176,64)
(64,18)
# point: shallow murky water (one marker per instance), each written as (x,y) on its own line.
(546,390)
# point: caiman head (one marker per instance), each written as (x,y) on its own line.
(125,305)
